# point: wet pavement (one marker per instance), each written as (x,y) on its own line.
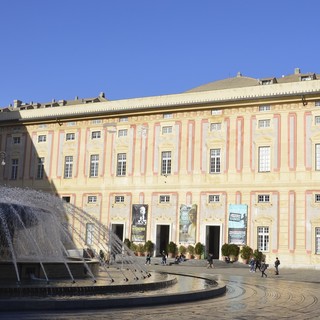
(294,294)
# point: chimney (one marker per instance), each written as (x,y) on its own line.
(17,103)
(297,71)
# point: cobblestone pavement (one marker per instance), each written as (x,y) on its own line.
(294,294)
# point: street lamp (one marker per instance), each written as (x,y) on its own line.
(3,156)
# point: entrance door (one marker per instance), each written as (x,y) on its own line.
(118,230)
(162,240)
(213,241)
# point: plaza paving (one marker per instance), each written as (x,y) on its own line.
(294,294)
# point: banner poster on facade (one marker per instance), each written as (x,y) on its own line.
(188,223)
(237,227)
(139,222)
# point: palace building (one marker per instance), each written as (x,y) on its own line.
(232,161)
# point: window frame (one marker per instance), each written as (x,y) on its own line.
(166,163)
(42,138)
(95,134)
(14,169)
(68,167)
(164,198)
(70,136)
(94,166)
(215,161)
(263,238)
(40,168)
(264,159)
(121,164)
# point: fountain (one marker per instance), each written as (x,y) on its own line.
(47,251)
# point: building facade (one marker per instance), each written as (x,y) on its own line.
(236,160)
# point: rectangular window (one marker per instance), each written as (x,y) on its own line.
(96,121)
(264,108)
(95,135)
(71,124)
(215,161)
(264,159)
(164,199)
(317,103)
(167,116)
(121,164)
(14,169)
(40,168)
(16,140)
(92,199)
(263,239)
(215,126)
(265,123)
(119,199)
(214,198)
(94,165)
(317,120)
(122,133)
(317,240)
(124,119)
(317,197)
(42,138)
(68,164)
(263,198)
(317,151)
(166,162)
(89,234)
(70,136)
(216,112)
(166,129)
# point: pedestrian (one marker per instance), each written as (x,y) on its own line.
(210,261)
(276,265)
(164,258)
(263,268)
(257,265)
(251,265)
(148,258)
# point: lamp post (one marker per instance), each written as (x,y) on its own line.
(3,156)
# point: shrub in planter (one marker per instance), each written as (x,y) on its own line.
(258,255)
(149,247)
(172,248)
(190,251)
(234,251)
(246,253)
(127,242)
(225,250)
(182,250)
(199,249)
(140,249)
(134,248)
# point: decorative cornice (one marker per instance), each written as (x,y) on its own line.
(165,101)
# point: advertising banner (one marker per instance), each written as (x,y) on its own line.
(237,224)
(188,223)
(139,222)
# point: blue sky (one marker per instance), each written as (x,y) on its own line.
(60,49)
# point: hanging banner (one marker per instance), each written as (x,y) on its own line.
(237,225)
(139,222)
(188,223)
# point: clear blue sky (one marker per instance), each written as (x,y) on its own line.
(60,49)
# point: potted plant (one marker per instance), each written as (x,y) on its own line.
(149,247)
(190,251)
(127,242)
(183,250)
(172,249)
(246,253)
(134,248)
(234,252)
(225,251)
(198,250)
(140,249)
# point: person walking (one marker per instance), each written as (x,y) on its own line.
(251,264)
(263,268)
(210,261)
(276,265)
(148,258)
(164,258)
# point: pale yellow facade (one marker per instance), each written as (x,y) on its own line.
(255,144)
